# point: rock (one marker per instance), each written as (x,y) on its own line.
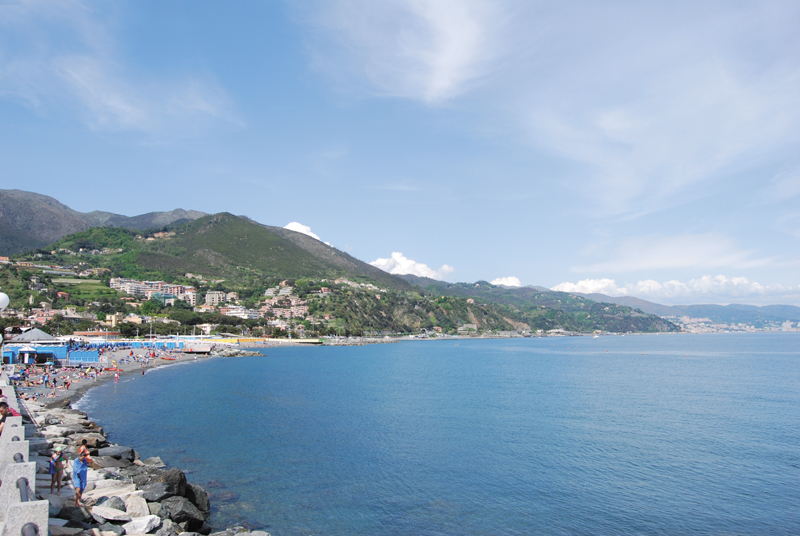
(117,452)
(168,528)
(63,403)
(133,471)
(199,497)
(174,479)
(112,529)
(154,507)
(259,533)
(111,502)
(154,461)
(103,514)
(156,492)
(77,525)
(142,525)
(53,510)
(136,506)
(213,484)
(180,510)
(75,513)
(108,461)
(205,529)
(93,439)
(109,488)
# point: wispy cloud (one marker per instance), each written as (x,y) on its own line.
(720,289)
(647,105)
(427,50)
(658,252)
(399,264)
(64,57)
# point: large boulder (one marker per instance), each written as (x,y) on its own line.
(93,439)
(108,461)
(199,497)
(168,528)
(103,514)
(154,461)
(142,525)
(111,502)
(136,506)
(175,479)
(118,452)
(109,529)
(63,403)
(181,510)
(76,513)
(156,492)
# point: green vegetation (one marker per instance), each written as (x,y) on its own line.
(234,254)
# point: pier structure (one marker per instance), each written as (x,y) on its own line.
(20,513)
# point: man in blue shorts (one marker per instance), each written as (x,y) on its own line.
(79,471)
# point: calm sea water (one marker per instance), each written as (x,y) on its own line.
(676,434)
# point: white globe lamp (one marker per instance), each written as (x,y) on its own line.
(3,301)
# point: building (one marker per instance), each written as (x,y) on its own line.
(215,297)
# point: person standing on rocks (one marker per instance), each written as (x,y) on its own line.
(56,469)
(80,469)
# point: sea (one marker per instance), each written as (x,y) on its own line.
(642,434)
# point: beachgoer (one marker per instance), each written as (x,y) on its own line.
(4,412)
(80,469)
(56,469)
(84,449)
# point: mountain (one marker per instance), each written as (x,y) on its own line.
(218,246)
(727,314)
(29,220)
(545,309)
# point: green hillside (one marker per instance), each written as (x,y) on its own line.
(234,254)
(544,309)
(220,246)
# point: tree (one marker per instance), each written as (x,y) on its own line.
(150,307)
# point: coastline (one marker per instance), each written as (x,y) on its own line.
(120,495)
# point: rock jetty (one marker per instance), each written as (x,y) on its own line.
(125,494)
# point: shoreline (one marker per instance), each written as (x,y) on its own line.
(120,483)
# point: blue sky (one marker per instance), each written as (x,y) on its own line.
(648,149)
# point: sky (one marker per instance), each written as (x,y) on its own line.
(647,149)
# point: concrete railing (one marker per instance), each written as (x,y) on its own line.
(20,513)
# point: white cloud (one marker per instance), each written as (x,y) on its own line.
(646,104)
(399,264)
(510,281)
(652,252)
(305,229)
(719,289)
(65,57)
(426,50)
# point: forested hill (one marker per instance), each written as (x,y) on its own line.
(219,246)
(29,220)
(232,253)
(538,306)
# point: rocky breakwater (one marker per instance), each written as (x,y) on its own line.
(234,352)
(125,494)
